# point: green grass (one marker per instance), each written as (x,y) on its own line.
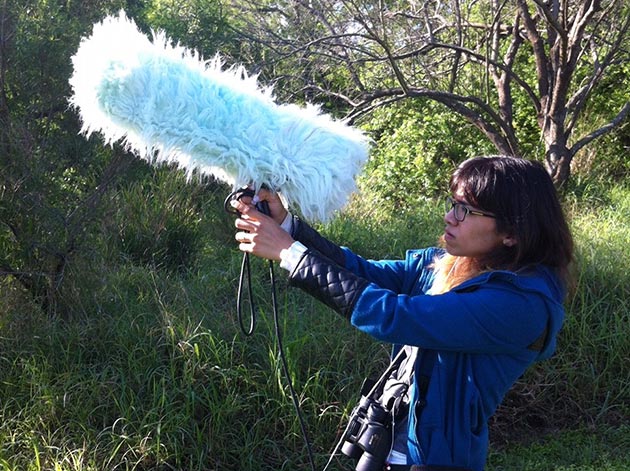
(153,373)
(576,450)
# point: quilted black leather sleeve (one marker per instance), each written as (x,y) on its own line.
(328,282)
(312,239)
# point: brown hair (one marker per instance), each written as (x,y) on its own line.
(521,194)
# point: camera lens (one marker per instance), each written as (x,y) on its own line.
(350,447)
(375,439)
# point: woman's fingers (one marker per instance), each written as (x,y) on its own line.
(241,206)
(276,208)
(258,233)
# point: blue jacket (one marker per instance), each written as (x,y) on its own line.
(478,333)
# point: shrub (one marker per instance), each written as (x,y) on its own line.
(159,220)
(417,146)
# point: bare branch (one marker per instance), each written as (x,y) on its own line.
(540,56)
(616,121)
(511,73)
(550,18)
(577,102)
(470,56)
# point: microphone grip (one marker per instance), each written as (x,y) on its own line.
(263,207)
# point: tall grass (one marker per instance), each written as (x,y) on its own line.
(594,348)
(569,450)
(154,373)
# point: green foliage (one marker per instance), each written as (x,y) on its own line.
(158,373)
(593,344)
(55,183)
(155,374)
(416,147)
(579,450)
(158,219)
(609,158)
(374,230)
(139,363)
(160,379)
(49,173)
(197,24)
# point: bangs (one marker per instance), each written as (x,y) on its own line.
(477,183)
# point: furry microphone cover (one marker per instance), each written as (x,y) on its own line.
(166,104)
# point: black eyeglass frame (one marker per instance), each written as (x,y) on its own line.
(450,203)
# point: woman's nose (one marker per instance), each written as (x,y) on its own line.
(449,217)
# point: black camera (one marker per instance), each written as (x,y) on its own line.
(369,434)
(368,437)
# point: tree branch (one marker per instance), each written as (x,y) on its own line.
(540,57)
(616,121)
(503,139)
(577,102)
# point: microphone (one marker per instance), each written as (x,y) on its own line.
(165,103)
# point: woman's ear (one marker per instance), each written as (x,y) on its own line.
(509,241)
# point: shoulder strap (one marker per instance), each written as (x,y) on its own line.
(374,389)
(395,392)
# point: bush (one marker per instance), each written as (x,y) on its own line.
(156,375)
(160,220)
(417,146)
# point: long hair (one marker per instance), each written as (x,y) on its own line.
(521,194)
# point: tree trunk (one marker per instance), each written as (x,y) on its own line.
(558,164)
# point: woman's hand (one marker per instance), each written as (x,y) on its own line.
(276,208)
(259,234)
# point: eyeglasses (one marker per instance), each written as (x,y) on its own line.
(461,210)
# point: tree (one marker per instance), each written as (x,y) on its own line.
(55,185)
(47,192)
(482,60)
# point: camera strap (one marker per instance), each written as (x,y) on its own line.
(396,387)
(374,389)
(245,280)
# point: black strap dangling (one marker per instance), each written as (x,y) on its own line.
(245,277)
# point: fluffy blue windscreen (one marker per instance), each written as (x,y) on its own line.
(165,103)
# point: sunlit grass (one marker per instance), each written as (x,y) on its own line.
(578,450)
(157,375)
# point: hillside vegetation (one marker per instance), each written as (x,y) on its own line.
(151,371)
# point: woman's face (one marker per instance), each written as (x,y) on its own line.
(475,236)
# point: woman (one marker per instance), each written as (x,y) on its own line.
(481,308)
